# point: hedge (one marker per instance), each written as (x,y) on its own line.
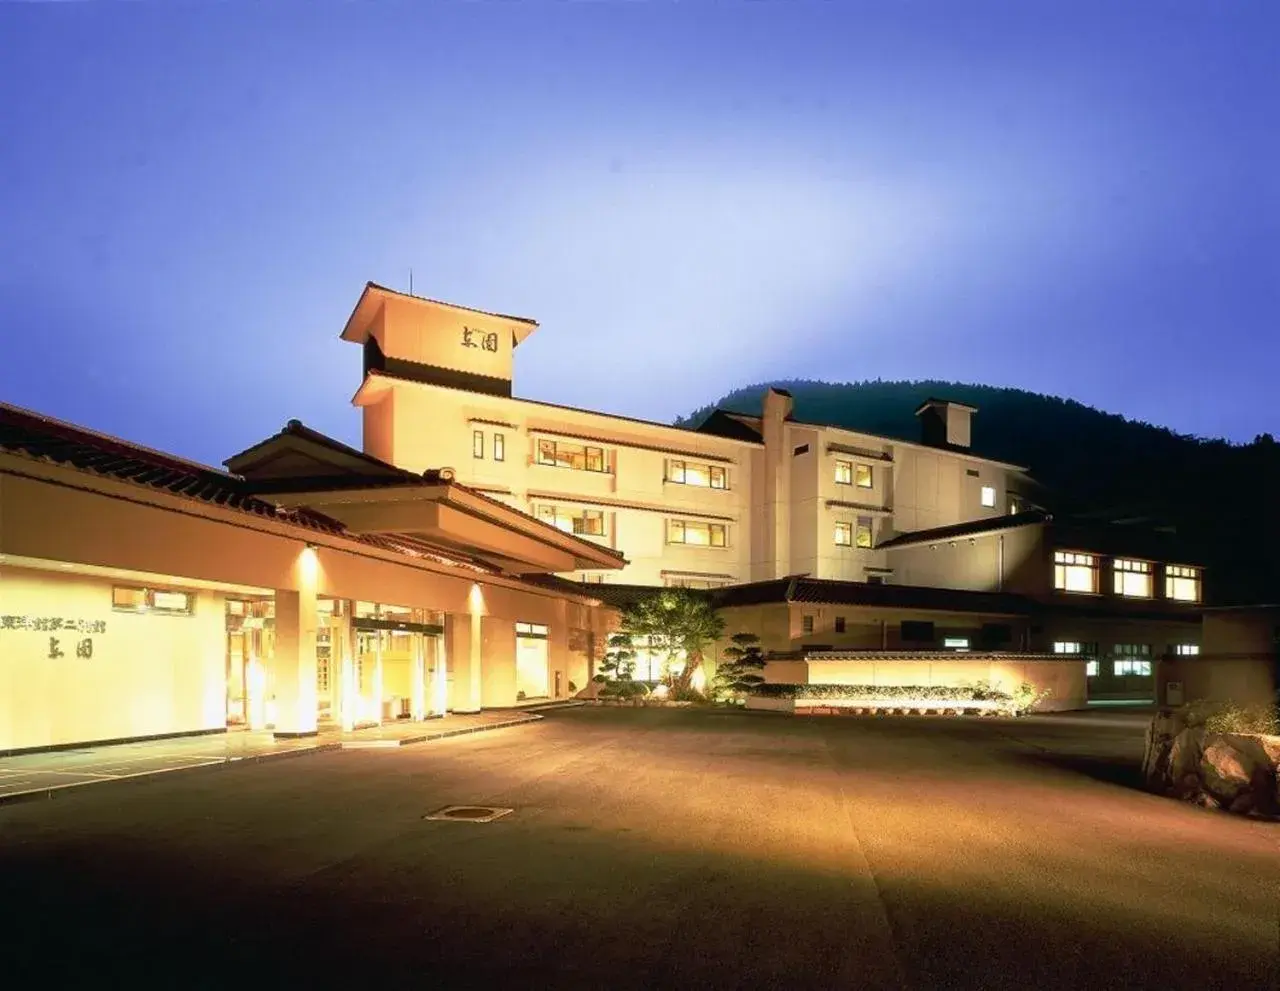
(885,693)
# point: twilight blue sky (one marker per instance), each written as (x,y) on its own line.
(1072,197)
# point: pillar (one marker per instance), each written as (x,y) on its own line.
(295,662)
(464,643)
(418,680)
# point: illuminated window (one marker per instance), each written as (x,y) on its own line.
(1186,649)
(862,536)
(806,624)
(692,473)
(583,522)
(955,643)
(499,447)
(697,533)
(531,630)
(1015,506)
(1068,647)
(863,477)
(577,456)
(1091,669)
(1074,572)
(1132,578)
(839,624)
(477,443)
(989,497)
(1132,659)
(154,600)
(129,599)
(844,472)
(1181,583)
(844,534)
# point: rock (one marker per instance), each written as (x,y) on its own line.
(1243,805)
(1226,771)
(1184,754)
(1164,726)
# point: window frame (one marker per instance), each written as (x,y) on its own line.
(843,468)
(844,528)
(499,446)
(983,493)
(1176,574)
(148,605)
(1121,567)
(551,514)
(572,452)
(865,526)
(1064,560)
(477,444)
(683,526)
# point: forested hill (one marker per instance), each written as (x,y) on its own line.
(1223,498)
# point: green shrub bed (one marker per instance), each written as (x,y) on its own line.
(1020,700)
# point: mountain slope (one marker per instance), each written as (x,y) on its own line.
(1223,498)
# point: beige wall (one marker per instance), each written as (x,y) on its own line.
(1214,678)
(1013,561)
(434,335)
(148,675)
(932,488)
(55,518)
(433,428)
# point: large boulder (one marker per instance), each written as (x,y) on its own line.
(1226,769)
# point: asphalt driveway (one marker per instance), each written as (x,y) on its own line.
(654,848)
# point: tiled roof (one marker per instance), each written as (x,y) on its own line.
(42,438)
(53,441)
(972,528)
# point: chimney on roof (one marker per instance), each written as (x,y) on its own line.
(778,405)
(944,423)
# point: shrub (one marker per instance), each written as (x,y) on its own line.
(684,694)
(1249,719)
(1020,700)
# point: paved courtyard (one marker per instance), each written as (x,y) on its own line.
(654,848)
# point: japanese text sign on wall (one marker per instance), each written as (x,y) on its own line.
(57,624)
(478,339)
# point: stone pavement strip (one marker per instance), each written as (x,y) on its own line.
(27,777)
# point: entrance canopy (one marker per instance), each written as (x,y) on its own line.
(300,468)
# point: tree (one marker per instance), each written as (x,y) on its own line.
(742,668)
(679,623)
(616,676)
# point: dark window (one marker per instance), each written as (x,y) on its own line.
(875,579)
(995,634)
(802,449)
(839,624)
(972,473)
(917,631)
(806,624)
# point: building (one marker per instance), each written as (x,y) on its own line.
(143,595)
(749,500)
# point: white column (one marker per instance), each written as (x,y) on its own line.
(295,663)
(377,675)
(439,677)
(344,652)
(418,680)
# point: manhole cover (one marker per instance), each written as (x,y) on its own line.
(469,813)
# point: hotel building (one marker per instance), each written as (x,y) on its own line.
(474,553)
(872,527)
